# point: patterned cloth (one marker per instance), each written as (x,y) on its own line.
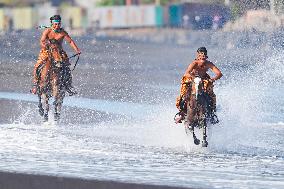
(44,63)
(187,90)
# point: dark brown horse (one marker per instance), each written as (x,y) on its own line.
(199,109)
(51,82)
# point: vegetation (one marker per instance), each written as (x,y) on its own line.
(111,2)
(143,2)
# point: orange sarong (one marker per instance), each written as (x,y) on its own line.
(43,64)
(186,88)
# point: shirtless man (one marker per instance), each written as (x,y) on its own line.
(199,67)
(52,38)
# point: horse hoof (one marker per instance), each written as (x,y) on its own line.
(72,93)
(45,117)
(41,111)
(204,143)
(56,116)
(188,130)
(214,119)
(196,141)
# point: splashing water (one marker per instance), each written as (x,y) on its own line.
(250,109)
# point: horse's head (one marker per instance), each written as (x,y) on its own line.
(57,60)
(197,84)
(57,64)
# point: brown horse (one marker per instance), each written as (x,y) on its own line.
(51,81)
(199,109)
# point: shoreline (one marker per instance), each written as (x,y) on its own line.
(31,181)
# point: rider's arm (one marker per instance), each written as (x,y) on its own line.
(72,43)
(189,69)
(217,72)
(43,38)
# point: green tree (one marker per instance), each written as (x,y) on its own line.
(111,2)
(122,2)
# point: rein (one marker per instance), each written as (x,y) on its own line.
(78,57)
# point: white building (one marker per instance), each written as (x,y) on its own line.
(87,3)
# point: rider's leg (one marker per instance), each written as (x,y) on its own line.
(181,99)
(37,71)
(36,77)
(67,75)
(212,109)
(68,81)
(213,97)
(181,105)
(212,101)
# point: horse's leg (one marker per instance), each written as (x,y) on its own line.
(40,108)
(203,114)
(196,140)
(43,86)
(58,105)
(55,89)
(191,112)
(43,99)
(46,106)
(204,137)
(38,80)
(211,108)
(203,123)
(58,95)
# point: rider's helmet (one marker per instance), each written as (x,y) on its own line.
(202,53)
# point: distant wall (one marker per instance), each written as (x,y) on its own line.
(24,18)
(2,19)
(83,18)
(125,16)
(44,13)
(187,15)
(72,17)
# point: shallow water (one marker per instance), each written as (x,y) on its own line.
(150,153)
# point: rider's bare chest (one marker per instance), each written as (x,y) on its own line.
(201,67)
(56,36)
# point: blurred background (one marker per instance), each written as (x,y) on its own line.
(81,16)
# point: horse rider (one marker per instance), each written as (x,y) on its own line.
(52,38)
(199,67)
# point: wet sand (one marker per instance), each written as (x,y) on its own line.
(27,181)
